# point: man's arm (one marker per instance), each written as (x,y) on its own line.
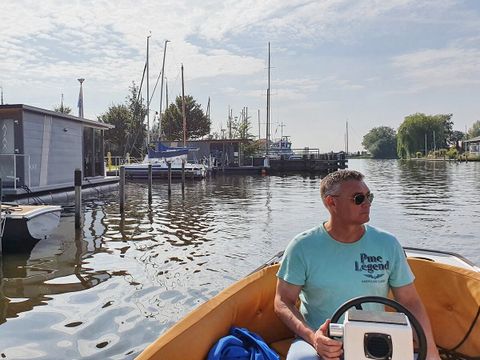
(286,298)
(408,296)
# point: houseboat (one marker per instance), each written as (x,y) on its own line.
(40,150)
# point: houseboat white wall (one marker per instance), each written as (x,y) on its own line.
(40,149)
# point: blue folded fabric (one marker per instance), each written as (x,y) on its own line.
(241,344)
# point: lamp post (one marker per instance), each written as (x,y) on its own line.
(80,98)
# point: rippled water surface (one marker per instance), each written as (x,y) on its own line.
(107,291)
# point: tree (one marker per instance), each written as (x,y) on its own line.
(116,138)
(129,133)
(198,124)
(381,142)
(420,132)
(455,138)
(62,109)
(474,131)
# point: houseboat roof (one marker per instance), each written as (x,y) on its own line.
(88,122)
(475,139)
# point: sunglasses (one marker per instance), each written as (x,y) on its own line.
(359,199)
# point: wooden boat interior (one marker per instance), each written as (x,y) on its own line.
(450,293)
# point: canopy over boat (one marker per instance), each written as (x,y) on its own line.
(163,151)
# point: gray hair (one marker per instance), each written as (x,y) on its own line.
(331,183)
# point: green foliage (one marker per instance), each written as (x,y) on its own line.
(198,124)
(412,132)
(62,109)
(381,142)
(252,148)
(128,136)
(456,137)
(116,139)
(241,128)
(452,153)
(474,131)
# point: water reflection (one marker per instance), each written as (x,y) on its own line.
(53,267)
(111,288)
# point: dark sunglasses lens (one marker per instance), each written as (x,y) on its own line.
(359,199)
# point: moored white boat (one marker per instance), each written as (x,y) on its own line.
(160,159)
(448,284)
(25,225)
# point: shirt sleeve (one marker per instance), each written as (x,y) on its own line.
(401,274)
(292,267)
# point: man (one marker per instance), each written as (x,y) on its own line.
(341,259)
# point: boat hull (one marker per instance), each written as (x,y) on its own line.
(26,225)
(160,171)
(451,303)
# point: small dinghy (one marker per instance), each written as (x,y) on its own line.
(22,226)
(448,284)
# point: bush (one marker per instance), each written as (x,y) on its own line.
(419,154)
(452,153)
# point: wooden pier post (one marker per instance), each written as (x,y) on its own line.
(150,176)
(169,164)
(122,189)
(183,175)
(78,197)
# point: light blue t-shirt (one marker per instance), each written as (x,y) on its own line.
(331,272)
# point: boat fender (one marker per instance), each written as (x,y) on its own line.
(241,344)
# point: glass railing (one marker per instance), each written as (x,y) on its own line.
(15,170)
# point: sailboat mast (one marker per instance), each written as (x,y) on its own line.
(259,129)
(161,91)
(267,134)
(184,115)
(148,94)
(346,137)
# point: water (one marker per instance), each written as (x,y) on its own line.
(109,290)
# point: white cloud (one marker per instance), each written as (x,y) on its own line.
(445,67)
(45,46)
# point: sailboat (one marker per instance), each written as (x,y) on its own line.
(165,159)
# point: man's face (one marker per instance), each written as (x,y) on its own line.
(345,208)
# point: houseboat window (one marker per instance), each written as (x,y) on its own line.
(98,152)
(93,152)
(88,152)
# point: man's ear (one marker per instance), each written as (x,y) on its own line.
(329,201)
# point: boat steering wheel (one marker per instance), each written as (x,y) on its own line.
(359,301)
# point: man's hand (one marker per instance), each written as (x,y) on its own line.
(327,348)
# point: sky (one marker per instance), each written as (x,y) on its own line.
(366,62)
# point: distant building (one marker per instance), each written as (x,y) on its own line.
(40,149)
(223,151)
(472,145)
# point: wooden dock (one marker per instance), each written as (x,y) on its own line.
(311,164)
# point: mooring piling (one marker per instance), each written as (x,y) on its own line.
(183,176)
(150,180)
(78,197)
(122,189)
(169,164)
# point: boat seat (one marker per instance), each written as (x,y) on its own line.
(249,303)
(281,347)
(439,302)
